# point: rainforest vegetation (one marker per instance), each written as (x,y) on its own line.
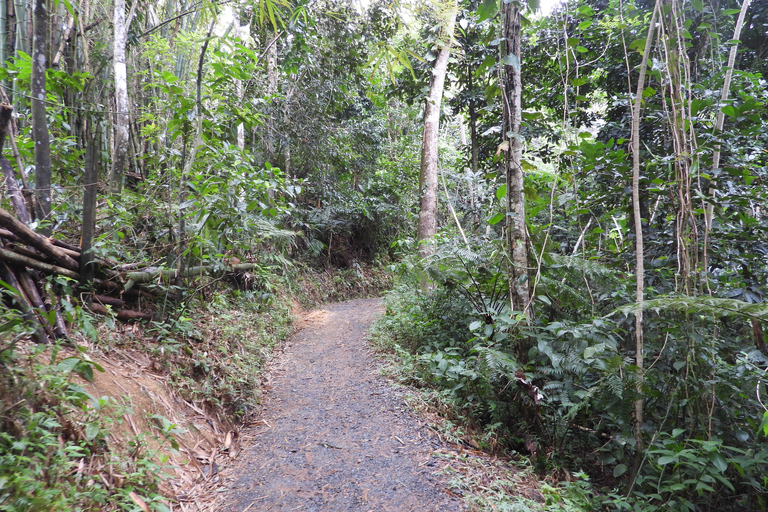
(567,201)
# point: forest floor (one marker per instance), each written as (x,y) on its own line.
(335,435)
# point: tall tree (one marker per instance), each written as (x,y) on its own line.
(39,119)
(639,251)
(512,92)
(122,119)
(427,226)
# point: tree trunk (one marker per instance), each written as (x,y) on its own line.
(512,90)
(639,251)
(121,118)
(720,121)
(39,120)
(238,82)
(428,175)
(90,182)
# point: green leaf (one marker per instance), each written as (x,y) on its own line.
(585,24)
(501,191)
(729,111)
(475,325)
(619,470)
(68,364)
(576,82)
(666,459)
(487,9)
(648,91)
(728,12)
(763,425)
(719,462)
(496,219)
(512,60)
(91,431)
(573,41)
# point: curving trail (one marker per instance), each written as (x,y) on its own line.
(335,436)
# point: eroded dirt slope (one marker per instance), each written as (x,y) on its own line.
(333,435)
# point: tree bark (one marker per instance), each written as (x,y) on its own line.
(427,227)
(89,202)
(121,118)
(39,119)
(17,200)
(719,122)
(512,91)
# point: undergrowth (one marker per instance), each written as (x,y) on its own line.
(58,449)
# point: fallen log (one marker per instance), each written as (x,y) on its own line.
(121,314)
(151,275)
(19,259)
(6,274)
(37,241)
(108,301)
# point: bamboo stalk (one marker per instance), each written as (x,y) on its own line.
(37,241)
(18,259)
(39,335)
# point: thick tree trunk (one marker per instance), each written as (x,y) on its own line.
(39,120)
(512,90)
(429,157)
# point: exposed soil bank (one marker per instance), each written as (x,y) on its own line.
(333,434)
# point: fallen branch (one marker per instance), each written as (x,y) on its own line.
(39,242)
(148,276)
(26,261)
(123,315)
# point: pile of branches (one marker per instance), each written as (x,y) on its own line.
(27,257)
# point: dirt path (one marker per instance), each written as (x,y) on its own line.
(335,436)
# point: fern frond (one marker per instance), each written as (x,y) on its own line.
(591,268)
(711,306)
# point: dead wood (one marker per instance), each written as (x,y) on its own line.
(147,276)
(123,315)
(6,273)
(26,261)
(17,200)
(39,242)
(108,301)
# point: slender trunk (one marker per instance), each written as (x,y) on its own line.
(427,226)
(4,46)
(512,90)
(719,122)
(238,82)
(271,91)
(39,119)
(90,182)
(56,62)
(121,118)
(639,252)
(190,160)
